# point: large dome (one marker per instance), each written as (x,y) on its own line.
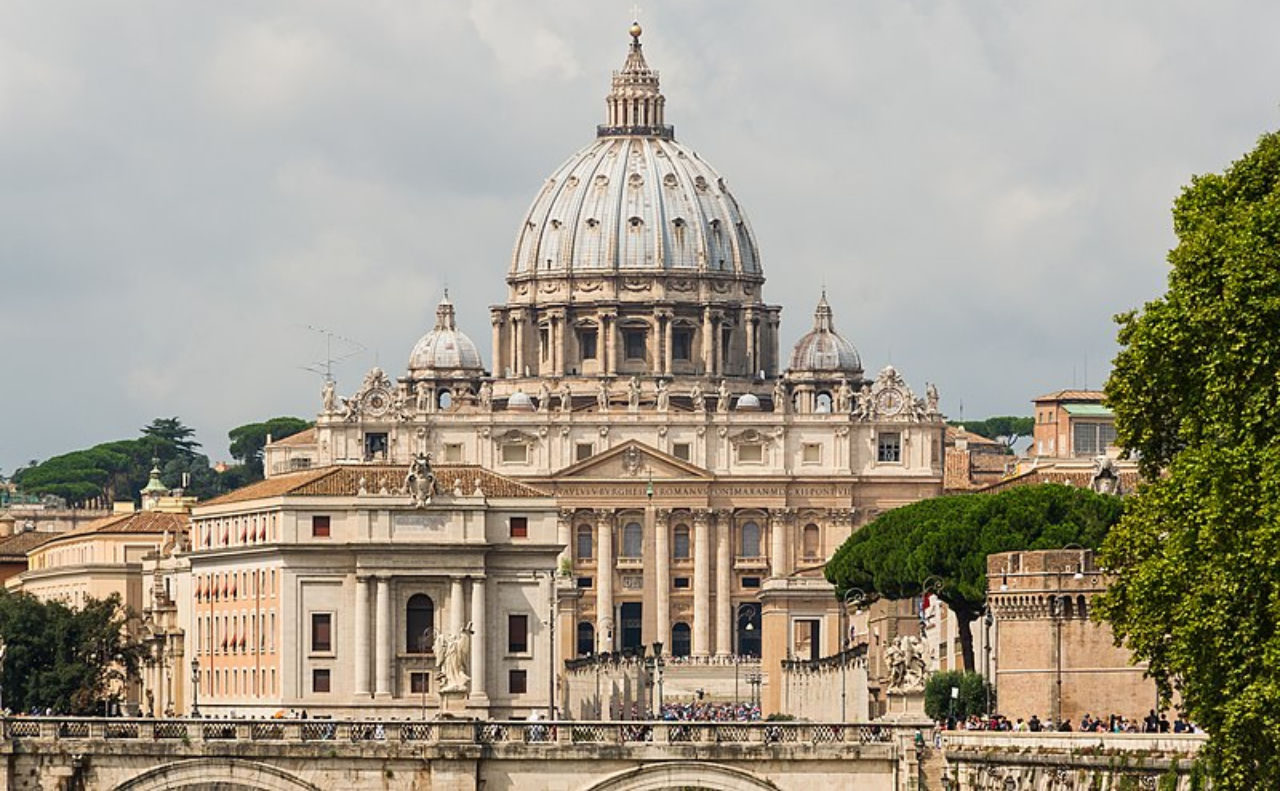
(446,350)
(635,199)
(629,203)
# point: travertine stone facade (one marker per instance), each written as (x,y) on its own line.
(636,377)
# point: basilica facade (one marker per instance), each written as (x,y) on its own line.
(692,478)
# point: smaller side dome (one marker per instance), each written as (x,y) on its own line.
(446,350)
(823,350)
(519,402)
(748,402)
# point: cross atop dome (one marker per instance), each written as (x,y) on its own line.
(635,103)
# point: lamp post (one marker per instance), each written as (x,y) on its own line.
(746,622)
(195,686)
(606,625)
(551,626)
(852,596)
(657,678)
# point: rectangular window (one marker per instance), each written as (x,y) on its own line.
(682,344)
(682,451)
(518,682)
(319,527)
(750,454)
(587,343)
(321,632)
(419,682)
(889,447)
(517,634)
(519,526)
(680,583)
(544,341)
(751,582)
(375,446)
(1092,439)
(584,582)
(320,680)
(453,452)
(515,453)
(633,343)
(583,451)
(812,453)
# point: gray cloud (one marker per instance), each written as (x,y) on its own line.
(184,187)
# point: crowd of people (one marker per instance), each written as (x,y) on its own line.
(710,712)
(1112,723)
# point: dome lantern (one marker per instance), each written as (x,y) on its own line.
(635,104)
(445,351)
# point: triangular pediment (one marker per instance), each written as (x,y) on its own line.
(633,459)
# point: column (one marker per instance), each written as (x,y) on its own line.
(662,601)
(564,535)
(479,629)
(724,597)
(749,324)
(517,343)
(604,581)
(557,343)
(778,534)
(496,319)
(708,343)
(382,646)
(362,636)
(701,584)
(667,356)
(457,615)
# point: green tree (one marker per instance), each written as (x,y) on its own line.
(973,692)
(247,441)
(73,661)
(950,538)
(1009,429)
(170,437)
(1194,389)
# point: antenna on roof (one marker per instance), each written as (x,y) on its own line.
(347,348)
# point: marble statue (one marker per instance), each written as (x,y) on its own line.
(486,396)
(699,400)
(663,396)
(723,397)
(566,398)
(780,396)
(844,397)
(866,404)
(453,658)
(329,397)
(544,397)
(423,398)
(633,394)
(931,398)
(907,666)
(602,396)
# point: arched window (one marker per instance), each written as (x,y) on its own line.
(420,619)
(632,540)
(823,404)
(680,640)
(750,540)
(811,540)
(586,638)
(1082,608)
(680,544)
(584,542)
(748,617)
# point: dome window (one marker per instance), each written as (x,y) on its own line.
(635,180)
(700,184)
(635,222)
(592,222)
(555,224)
(678,222)
(670,180)
(602,180)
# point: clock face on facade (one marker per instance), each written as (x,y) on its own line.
(889,401)
(376,402)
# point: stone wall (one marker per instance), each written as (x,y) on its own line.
(981,760)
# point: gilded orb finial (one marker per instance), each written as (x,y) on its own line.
(636,30)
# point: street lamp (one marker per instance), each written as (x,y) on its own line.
(657,678)
(854,596)
(606,627)
(195,686)
(746,622)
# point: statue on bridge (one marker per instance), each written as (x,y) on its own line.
(453,658)
(907,667)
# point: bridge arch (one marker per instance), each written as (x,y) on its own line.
(683,774)
(200,774)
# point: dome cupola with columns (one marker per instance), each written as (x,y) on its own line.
(635,259)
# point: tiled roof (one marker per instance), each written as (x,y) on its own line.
(1072,395)
(344,481)
(305,437)
(953,433)
(17,546)
(1079,477)
(139,522)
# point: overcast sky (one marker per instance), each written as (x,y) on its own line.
(185,187)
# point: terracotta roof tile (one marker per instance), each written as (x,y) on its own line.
(18,545)
(1079,478)
(1072,395)
(344,481)
(305,437)
(140,522)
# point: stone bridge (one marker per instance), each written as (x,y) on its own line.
(62,754)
